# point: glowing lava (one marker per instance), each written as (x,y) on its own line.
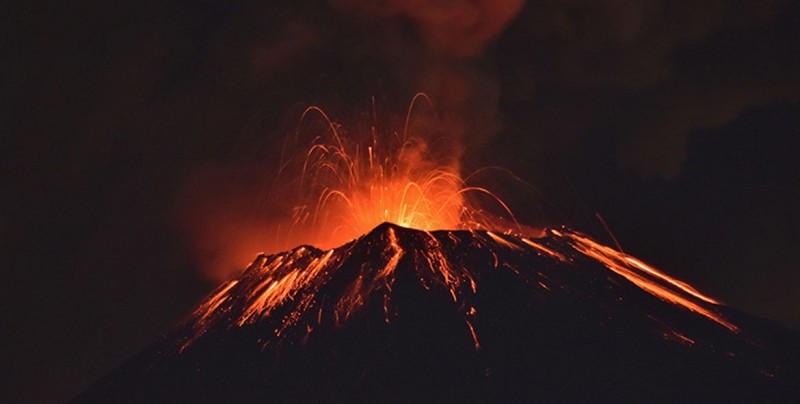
(432,232)
(306,288)
(415,289)
(331,183)
(350,186)
(647,277)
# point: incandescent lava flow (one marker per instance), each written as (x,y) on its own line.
(401,314)
(444,307)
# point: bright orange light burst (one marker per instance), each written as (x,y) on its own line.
(349,187)
(338,188)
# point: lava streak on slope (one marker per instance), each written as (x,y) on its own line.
(411,315)
(444,302)
(306,288)
(347,187)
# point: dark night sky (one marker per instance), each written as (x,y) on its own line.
(679,122)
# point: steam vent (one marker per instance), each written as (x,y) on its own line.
(404,315)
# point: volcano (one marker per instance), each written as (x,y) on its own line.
(406,315)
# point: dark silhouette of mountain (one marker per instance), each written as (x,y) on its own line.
(405,315)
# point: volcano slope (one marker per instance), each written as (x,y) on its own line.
(406,315)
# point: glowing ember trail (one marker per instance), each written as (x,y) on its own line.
(431,233)
(640,274)
(349,183)
(399,282)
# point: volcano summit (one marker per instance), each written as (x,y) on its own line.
(408,315)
